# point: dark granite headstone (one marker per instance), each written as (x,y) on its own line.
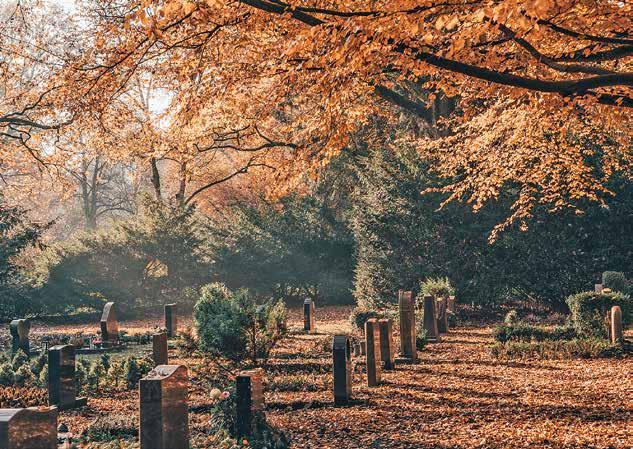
(109,324)
(20,332)
(61,378)
(250,401)
(171,320)
(160,349)
(442,316)
(430,319)
(164,409)
(373,358)
(342,369)
(387,350)
(28,428)
(406,308)
(309,320)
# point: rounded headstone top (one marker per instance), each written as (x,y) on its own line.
(164,371)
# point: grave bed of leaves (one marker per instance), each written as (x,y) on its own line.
(458,396)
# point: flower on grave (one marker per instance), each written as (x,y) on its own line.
(224,395)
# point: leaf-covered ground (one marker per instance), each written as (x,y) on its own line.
(458,396)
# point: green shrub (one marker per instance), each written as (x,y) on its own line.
(616,281)
(359,316)
(523,332)
(511,317)
(112,427)
(24,375)
(235,325)
(420,337)
(7,375)
(589,311)
(438,287)
(19,359)
(557,349)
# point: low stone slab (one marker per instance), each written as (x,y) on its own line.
(28,428)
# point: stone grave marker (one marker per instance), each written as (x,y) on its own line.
(171,320)
(309,320)
(160,349)
(598,288)
(430,320)
(164,408)
(109,324)
(250,401)
(373,358)
(62,391)
(451,304)
(387,350)
(442,316)
(406,309)
(20,333)
(28,428)
(617,335)
(342,369)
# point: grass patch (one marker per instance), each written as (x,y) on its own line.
(578,348)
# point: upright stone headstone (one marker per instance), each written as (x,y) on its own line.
(617,334)
(442,316)
(598,288)
(373,357)
(250,401)
(171,320)
(160,349)
(164,409)
(430,320)
(451,304)
(406,308)
(387,350)
(342,369)
(309,320)
(362,347)
(62,391)
(28,428)
(20,333)
(109,324)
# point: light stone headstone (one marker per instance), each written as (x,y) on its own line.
(28,428)
(109,324)
(451,304)
(309,320)
(598,288)
(164,409)
(430,320)
(160,349)
(387,349)
(20,334)
(373,358)
(249,401)
(342,369)
(406,309)
(171,320)
(62,391)
(617,334)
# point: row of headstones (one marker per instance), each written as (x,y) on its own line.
(21,328)
(616,331)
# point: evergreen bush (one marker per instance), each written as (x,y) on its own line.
(589,311)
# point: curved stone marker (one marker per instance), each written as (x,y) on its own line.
(28,428)
(109,324)
(20,332)
(342,369)
(164,409)
(160,349)
(430,320)
(309,320)
(249,401)
(171,320)
(62,391)
(387,350)
(373,358)
(617,334)
(442,316)
(406,309)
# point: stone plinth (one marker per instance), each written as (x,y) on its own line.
(387,349)
(109,324)
(373,357)
(309,320)
(430,319)
(28,428)
(249,401)
(160,349)
(20,334)
(342,369)
(406,309)
(164,408)
(616,332)
(62,391)
(171,320)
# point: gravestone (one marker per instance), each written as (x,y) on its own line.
(373,358)
(406,309)
(430,320)
(598,288)
(451,304)
(362,347)
(28,428)
(442,316)
(342,369)
(387,350)
(249,401)
(62,391)
(164,409)
(171,320)
(617,335)
(160,349)
(20,333)
(309,320)
(109,324)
